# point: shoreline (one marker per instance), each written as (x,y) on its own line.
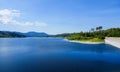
(84,42)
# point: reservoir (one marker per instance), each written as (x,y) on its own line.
(56,55)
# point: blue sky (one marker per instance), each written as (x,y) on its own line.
(58,16)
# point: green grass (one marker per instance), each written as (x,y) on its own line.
(92,40)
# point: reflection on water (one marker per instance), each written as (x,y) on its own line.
(56,55)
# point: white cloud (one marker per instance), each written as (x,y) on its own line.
(8,16)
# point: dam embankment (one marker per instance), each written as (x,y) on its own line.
(115,41)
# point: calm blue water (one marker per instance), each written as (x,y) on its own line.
(56,55)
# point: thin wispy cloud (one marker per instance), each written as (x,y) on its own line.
(8,16)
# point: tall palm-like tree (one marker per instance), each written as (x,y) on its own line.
(92,29)
(100,27)
(97,28)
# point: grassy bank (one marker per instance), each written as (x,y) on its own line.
(95,40)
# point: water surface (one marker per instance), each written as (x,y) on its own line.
(56,55)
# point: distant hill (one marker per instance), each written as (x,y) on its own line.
(11,34)
(36,34)
(20,34)
(61,35)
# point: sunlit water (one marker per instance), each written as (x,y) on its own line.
(56,55)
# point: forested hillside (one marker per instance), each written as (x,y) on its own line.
(10,34)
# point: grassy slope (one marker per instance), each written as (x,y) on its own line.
(91,40)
